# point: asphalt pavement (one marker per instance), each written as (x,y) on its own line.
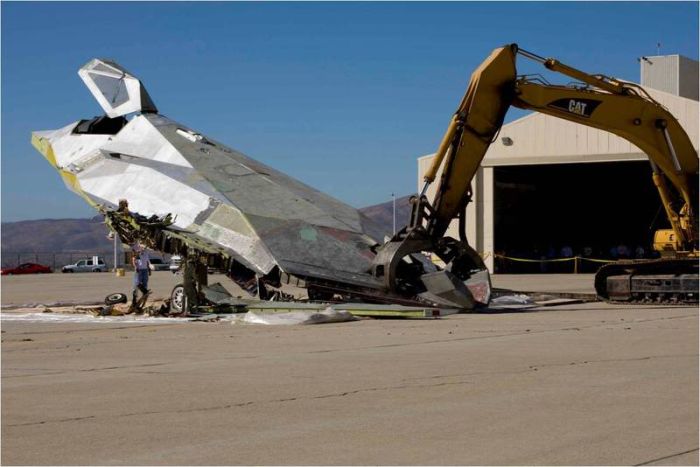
(591,384)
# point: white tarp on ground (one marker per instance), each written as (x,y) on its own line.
(512,302)
(329,315)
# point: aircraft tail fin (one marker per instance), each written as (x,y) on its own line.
(116,90)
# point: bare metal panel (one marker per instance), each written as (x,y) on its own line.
(115,89)
(660,72)
(688,85)
(674,74)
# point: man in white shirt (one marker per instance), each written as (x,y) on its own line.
(141,262)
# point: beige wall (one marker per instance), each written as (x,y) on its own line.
(543,139)
(689,74)
(674,74)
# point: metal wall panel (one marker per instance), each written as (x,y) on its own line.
(688,74)
(660,72)
(543,139)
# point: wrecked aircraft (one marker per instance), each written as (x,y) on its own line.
(182,192)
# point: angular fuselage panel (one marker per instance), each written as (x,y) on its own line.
(260,215)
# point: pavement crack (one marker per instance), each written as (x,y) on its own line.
(293,399)
(107,368)
(526,332)
(87,370)
(386,388)
(548,365)
(60,420)
(611,360)
(467,375)
(246,403)
(667,457)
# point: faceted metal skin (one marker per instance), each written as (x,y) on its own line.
(116,90)
(259,216)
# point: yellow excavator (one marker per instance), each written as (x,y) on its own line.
(609,104)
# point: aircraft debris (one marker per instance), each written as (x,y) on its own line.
(322,316)
(177,191)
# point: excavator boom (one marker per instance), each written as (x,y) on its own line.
(619,107)
(470,133)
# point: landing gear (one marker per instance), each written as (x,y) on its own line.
(177,299)
(115,298)
(186,296)
(137,302)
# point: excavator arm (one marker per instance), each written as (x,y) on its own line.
(619,107)
(473,127)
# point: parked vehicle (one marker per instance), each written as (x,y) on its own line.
(175,263)
(94,264)
(26,268)
(158,264)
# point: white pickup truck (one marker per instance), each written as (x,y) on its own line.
(94,264)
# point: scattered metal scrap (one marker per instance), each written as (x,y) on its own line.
(221,305)
(320,316)
(356,309)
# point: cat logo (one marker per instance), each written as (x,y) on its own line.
(580,107)
(577,107)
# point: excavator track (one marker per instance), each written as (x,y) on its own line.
(664,281)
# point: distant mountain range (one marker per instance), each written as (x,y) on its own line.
(55,235)
(382,214)
(90,235)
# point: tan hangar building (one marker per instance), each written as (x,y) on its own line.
(546,183)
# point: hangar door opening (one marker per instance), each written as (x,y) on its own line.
(604,210)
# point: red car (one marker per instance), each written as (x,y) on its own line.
(26,268)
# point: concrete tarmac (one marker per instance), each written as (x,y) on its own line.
(88,286)
(92,286)
(578,384)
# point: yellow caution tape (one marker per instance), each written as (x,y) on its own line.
(597,260)
(555,260)
(485,255)
(525,260)
(434,258)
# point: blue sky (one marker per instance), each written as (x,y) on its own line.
(343,96)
